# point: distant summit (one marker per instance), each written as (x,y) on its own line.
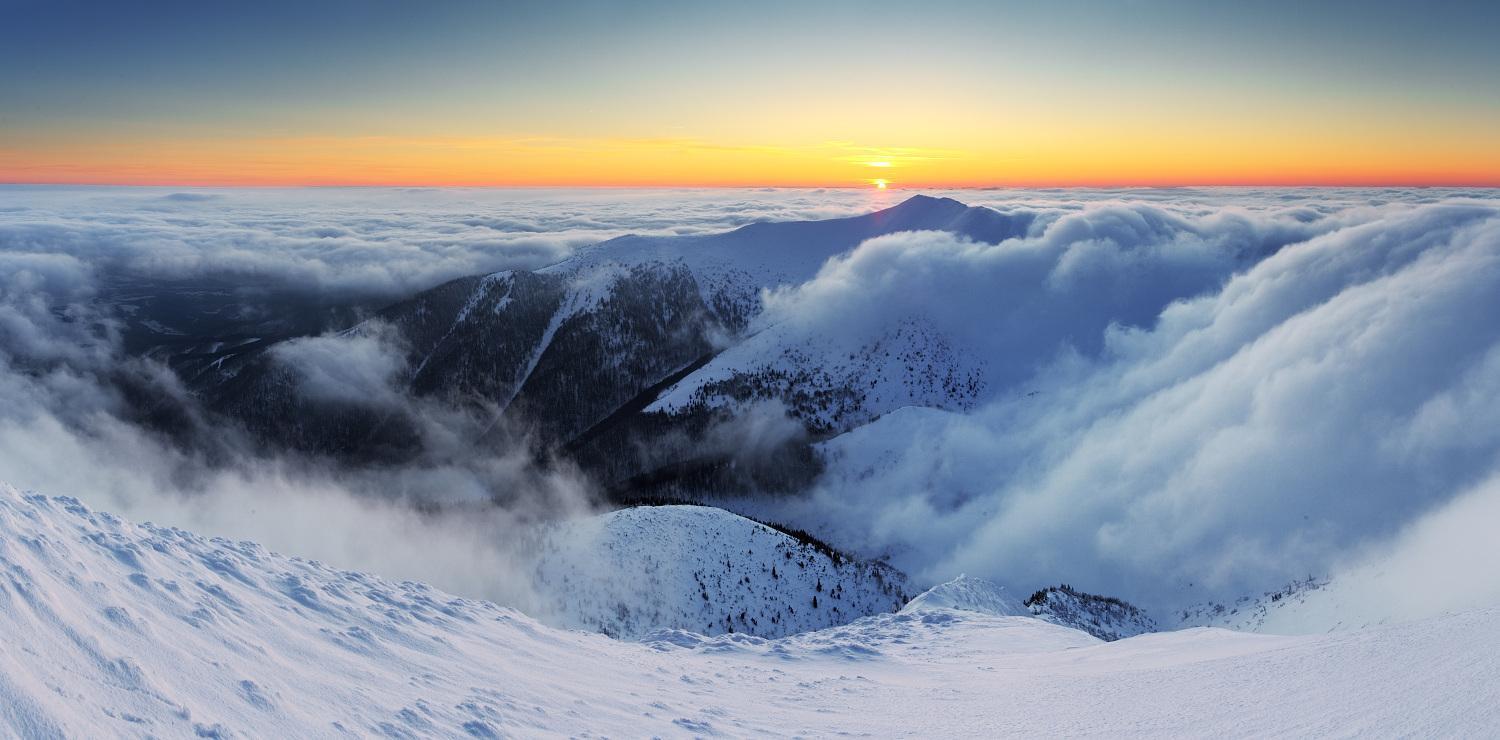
(968,594)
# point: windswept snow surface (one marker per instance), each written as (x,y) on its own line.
(113,629)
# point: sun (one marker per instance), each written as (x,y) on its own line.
(881,184)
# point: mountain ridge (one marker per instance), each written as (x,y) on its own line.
(559,350)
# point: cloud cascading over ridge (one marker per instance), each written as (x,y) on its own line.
(1194,394)
(1174,416)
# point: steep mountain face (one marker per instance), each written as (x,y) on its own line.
(631,353)
(1104,617)
(639,570)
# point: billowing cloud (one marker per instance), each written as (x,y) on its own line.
(1185,409)
(1194,394)
(1023,300)
(358,367)
(69,425)
(43,300)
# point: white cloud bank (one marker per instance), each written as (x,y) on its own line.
(1222,388)
(364,243)
(1279,417)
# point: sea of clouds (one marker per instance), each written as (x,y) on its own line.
(377,243)
(1188,403)
(1194,394)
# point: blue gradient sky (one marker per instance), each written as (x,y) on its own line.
(785,93)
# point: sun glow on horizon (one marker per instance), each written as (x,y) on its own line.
(689,100)
(1022,158)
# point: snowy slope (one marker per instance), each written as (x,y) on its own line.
(1104,617)
(117,630)
(968,594)
(836,382)
(1253,613)
(643,569)
(1357,599)
(828,382)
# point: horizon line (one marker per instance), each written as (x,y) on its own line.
(1073,185)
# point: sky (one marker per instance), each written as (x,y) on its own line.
(653,93)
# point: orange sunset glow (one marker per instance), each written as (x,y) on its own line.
(969,94)
(1372,159)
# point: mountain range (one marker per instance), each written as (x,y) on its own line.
(635,358)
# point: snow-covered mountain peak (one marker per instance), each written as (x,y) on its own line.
(967,593)
(770,253)
(920,201)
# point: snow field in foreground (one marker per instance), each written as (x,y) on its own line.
(114,629)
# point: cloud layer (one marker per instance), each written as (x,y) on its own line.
(1196,394)
(73,260)
(363,243)
(1185,408)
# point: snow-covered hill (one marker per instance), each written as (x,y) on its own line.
(644,308)
(968,594)
(111,629)
(1104,617)
(639,570)
(1101,616)
(1253,613)
(833,382)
